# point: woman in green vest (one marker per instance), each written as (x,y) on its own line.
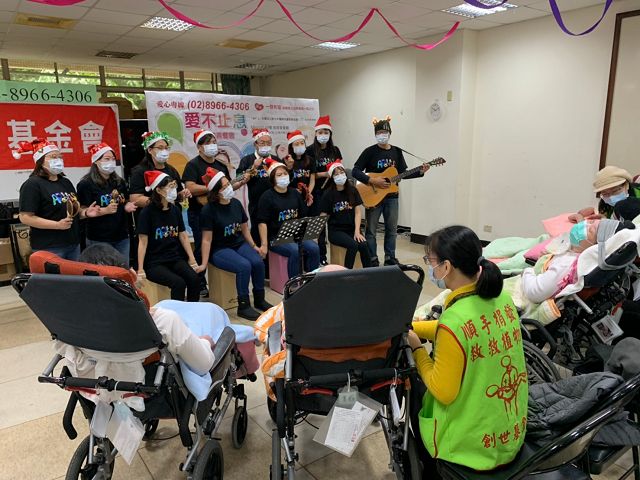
(475,410)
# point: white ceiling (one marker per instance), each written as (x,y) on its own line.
(114,25)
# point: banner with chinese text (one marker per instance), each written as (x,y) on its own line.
(74,128)
(230,117)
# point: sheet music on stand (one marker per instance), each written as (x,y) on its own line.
(298,230)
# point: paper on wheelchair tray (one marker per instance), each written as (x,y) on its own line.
(125,431)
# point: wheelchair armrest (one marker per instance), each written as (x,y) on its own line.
(224,344)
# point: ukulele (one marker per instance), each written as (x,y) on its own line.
(252,172)
(372,196)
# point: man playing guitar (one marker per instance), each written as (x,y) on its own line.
(375,159)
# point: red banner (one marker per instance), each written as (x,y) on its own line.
(74,128)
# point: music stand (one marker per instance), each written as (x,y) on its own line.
(298,230)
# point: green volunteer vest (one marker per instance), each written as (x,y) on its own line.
(484,426)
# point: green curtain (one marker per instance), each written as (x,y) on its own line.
(235,84)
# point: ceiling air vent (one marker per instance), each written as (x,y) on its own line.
(110,54)
(44,21)
(256,67)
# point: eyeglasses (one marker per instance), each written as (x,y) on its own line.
(263,144)
(428,260)
(612,191)
(161,148)
(172,185)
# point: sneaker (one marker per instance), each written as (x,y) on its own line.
(204,293)
(375,262)
(391,261)
(323,262)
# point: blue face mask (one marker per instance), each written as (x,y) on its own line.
(578,233)
(438,282)
(613,199)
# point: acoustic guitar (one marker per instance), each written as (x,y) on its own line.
(372,196)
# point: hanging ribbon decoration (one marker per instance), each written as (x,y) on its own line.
(555,10)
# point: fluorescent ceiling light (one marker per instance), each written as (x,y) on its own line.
(469,11)
(336,46)
(162,23)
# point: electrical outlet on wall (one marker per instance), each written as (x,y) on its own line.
(488,228)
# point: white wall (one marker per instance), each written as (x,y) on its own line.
(521,135)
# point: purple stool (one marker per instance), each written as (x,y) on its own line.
(278,272)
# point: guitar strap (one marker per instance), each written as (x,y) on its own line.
(415,156)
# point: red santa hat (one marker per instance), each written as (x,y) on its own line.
(260,132)
(272,165)
(333,165)
(98,150)
(294,136)
(152,179)
(324,122)
(40,147)
(197,136)
(212,177)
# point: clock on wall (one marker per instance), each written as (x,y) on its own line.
(435,111)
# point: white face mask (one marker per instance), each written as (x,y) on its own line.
(227,193)
(211,150)
(107,167)
(172,195)
(264,151)
(283,182)
(382,138)
(340,179)
(299,150)
(162,156)
(323,139)
(56,166)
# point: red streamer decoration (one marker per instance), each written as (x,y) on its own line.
(184,18)
(58,3)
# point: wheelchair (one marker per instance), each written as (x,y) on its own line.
(365,345)
(108,316)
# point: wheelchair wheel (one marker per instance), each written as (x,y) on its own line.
(276,472)
(540,368)
(80,469)
(150,428)
(210,462)
(239,426)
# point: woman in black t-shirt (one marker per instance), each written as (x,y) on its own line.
(277,205)
(227,243)
(48,202)
(303,167)
(340,202)
(163,243)
(109,191)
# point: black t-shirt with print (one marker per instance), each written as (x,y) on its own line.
(274,208)
(106,228)
(163,228)
(136,183)
(193,172)
(341,212)
(322,160)
(258,184)
(302,170)
(375,159)
(47,199)
(225,221)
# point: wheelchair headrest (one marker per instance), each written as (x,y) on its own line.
(47,262)
(92,312)
(351,308)
(625,255)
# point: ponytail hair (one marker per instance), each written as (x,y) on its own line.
(462,248)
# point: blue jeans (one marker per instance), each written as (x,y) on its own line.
(389,210)
(122,246)
(71,252)
(290,250)
(245,262)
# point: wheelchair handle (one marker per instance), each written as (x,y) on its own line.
(104,383)
(356,377)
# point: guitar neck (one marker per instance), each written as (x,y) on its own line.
(405,174)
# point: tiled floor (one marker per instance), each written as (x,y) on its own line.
(34,446)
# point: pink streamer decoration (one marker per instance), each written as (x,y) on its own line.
(58,3)
(184,18)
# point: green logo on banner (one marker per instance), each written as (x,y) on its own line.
(31,92)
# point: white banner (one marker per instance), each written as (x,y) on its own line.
(230,117)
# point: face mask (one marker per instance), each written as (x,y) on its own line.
(172,195)
(211,150)
(323,139)
(382,138)
(578,233)
(299,150)
(340,179)
(264,151)
(227,193)
(613,199)
(438,282)
(162,156)
(283,182)
(107,167)
(56,166)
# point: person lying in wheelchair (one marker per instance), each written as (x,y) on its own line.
(475,409)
